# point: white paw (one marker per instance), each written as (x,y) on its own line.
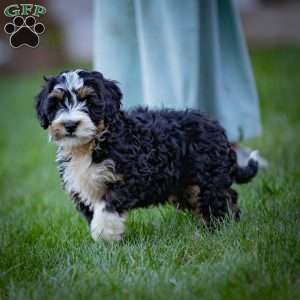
(106,225)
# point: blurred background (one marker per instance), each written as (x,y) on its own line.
(69,32)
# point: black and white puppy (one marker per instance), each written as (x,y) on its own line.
(111,161)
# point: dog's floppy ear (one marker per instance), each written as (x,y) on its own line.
(110,93)
(41,103)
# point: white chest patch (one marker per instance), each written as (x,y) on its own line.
(87,179)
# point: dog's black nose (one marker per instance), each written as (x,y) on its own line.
(71,126)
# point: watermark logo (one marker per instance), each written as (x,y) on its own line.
(24,30)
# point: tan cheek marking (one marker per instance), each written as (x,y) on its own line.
(57,93)
(56,130)
(86,91)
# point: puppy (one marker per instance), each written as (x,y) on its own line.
(111,161)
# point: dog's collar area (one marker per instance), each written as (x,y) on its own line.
(98,153)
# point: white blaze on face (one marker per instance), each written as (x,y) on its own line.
(73,82)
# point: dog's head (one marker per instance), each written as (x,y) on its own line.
(75,105)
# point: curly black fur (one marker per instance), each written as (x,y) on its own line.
(160,153)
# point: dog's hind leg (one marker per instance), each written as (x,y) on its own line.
(215,204)
(209,203)
(233,205)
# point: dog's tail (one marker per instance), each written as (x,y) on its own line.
(244,174)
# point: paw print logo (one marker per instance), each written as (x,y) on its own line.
(24,32)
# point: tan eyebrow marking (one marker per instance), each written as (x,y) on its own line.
(86,91)
(57,93)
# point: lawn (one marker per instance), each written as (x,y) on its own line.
(46,251)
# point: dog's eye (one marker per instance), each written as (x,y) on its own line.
(53,105)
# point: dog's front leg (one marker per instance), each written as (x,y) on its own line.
(106,224)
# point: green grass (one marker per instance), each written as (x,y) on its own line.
(46,251)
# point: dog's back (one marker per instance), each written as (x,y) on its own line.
(198,155)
